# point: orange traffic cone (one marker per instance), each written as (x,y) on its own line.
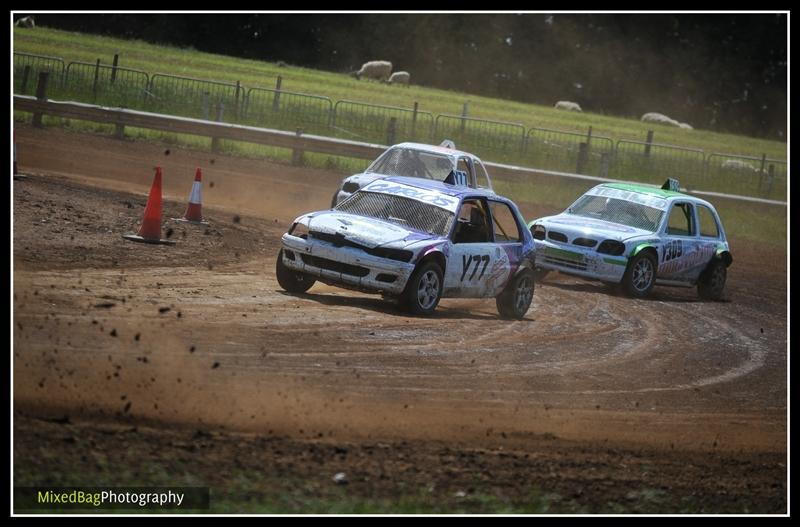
(150,231)
(194,212)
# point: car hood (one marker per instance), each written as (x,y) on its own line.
(574,226)
(369,232)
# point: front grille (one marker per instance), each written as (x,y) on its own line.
(563,262)
(557,236)
(337,267)
(584,242)
(339,240)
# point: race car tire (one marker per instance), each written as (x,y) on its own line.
(516,298)
(640,276)
(711,283)
(290,280)
(424,289)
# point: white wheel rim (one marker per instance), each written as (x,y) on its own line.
(642,274)
(428,290)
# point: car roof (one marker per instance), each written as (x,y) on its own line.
(653,190)
(434,148)
(445,188)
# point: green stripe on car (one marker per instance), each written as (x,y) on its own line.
(561,253)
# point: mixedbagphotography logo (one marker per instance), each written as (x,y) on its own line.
(111,498)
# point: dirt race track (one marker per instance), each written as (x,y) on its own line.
(191,358)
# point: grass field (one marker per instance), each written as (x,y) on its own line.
(743,221)
(338,86)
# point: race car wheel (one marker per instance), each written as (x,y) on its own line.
(712,281)
(291,280)
(516,298)
(424,289)
(640,276)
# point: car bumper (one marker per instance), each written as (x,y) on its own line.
(580,261)
(346,266)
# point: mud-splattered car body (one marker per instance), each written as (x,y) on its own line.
(378,239)
(603,231)
(423,161)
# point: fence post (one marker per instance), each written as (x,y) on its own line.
(464,113)
(96,79)
(205,105)
(583,156)
(604,164)
(26,73)
(414,121)
(297,154)
(649,142)
(119,131)
(220,111)
(276,99)
(236,102)
(41,95)
(770,178)
(761,171)
(391,131)
(114,68)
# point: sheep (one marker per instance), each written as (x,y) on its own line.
(400,77)
(686,126)
(25,22)
(568,106)
(659,118)
(734,165)
(375,69)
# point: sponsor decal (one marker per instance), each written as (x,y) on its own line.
(601,226)
(398,189)
(627,195)
(678,258)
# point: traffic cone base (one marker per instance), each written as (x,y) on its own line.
(157,241)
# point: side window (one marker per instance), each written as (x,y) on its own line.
(681,220)
(505,227)
(482,178)
(708,225)
(472,224)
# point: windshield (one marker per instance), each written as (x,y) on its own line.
(412,163)
(617,211)
(405,212)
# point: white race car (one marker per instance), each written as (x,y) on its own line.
(439,163)
(638,236)
(418,241)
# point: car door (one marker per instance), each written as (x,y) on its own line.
(507,252)
(472,250)
(710,236)
(679,253)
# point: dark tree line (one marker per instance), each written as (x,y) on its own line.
(725,72)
